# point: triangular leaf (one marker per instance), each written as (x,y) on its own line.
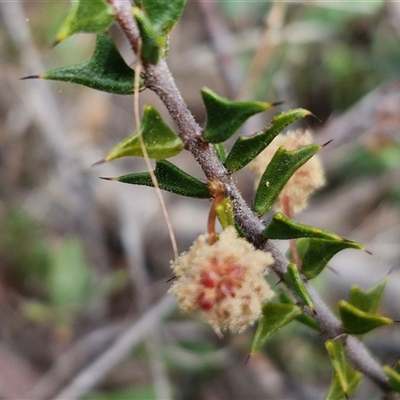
(282,227)
(106,70)
(335,391)
(394,377)
(224,117)
(346,378)
(220,151)
(160,141)
(274,317)
(367,300)
(295,282)
(358,322)
(162,14)
(303,318)
(316,253)
(170,178)
(153,42)
(245,149)
(94,16)
(281,168)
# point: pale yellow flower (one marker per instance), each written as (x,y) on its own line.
(224,282)
(304,181)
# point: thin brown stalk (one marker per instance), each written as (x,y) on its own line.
(146,157)
(159,80)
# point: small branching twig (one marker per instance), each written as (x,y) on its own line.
(133,336)
(159,79)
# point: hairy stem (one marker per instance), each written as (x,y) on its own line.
(159,80)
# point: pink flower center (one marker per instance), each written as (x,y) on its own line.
(222,278)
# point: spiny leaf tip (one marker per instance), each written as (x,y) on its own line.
(326,144)
(97,163)
(314,116)
(30,77)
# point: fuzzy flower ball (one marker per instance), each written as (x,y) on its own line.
(304,181)
(224,281)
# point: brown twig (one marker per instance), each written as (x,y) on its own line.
(133,336)
(160,81)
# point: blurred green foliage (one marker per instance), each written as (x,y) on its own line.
(22,247)
(371,162)
(332,53)
(146,392)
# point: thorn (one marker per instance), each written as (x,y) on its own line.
(108,179)
(341,337)
(97,163)
(277,283)
(313,115)
(171,279)
(326,144)
(247,359)
(30,77)
(277,103)
(333,270)
(390,271)
(368,252)
(55,43)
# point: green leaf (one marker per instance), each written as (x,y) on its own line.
(295,282)
(220,151)
(346,378)
(170,178)
(162,14)
(316,253)
(92,16)
(358,322)
(224,117)
(160,141)
(281,168)
(245,149)
(274,317)
(37,312)
(367,300)
(141,391)
(69,277)
(155,19)
(303,318)
(106,70)
(153,42)
(282,227)
(335,391)
(394,377)
(224,212)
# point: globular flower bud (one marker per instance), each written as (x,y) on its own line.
(224,281)
(304,181)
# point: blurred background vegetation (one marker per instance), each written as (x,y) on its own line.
(83,261)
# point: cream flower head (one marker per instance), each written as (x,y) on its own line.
(224,281)
(304,181)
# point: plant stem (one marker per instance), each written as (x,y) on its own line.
(159,80)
